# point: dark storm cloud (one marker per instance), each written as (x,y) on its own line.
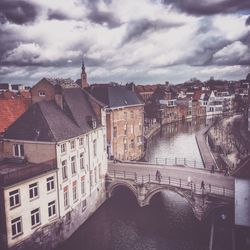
(207,7)
(136,29)
(248,21)
(102,17)
(18,12)
(57,15)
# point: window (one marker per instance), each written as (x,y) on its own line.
(81,160)
(132,114)
(41,93)
(73,165)
(140,127)
(72,144)
(35,217)
(18,150)
(99,171)
(132,129)
(33,190)
(114,132)
(63,148)
(81,141)
(52,208)
(125,129)
(91,178)
(125,116)
(94,147)
(14,197)
(95,173)
(139,139)
(125,144)
(50,183)
(82,185)
(84,204)
(132,145)
(64,170)
(74,190)
(66,197)
(16,227)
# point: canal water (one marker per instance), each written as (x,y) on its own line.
(168,223)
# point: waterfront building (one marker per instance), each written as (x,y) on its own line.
(214,107)
(124,120)
(60,146)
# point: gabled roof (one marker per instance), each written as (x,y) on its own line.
(46,121)
(114,95)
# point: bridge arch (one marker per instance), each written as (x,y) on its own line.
(114,185)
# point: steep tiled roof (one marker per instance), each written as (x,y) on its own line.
(147,88)
(115,95)
(46,121)
(10,110)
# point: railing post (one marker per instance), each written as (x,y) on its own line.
(175,161)
(114,174)
(194,163)
(180,182)
(224,191)
(210,188)
(149,178)
(169,181)
(184,161)
(156,161)
(142,179)
(194,188)
(135,177)
(166,161)
(124,174)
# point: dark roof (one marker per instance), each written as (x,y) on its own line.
(64,83)
(14,172)
(46,121)
(79,108)
(114,95)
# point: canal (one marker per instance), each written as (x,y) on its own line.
(168,223)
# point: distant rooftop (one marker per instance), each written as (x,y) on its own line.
(64,83)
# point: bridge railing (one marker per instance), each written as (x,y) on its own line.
(178,161)
(174,182)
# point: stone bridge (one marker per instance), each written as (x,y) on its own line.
(141,180)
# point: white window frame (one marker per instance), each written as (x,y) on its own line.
(73,165)
(74,191)
(20,150)
(81,141)
(64,170)
(83,185)
(14,197)
(33,190)
(82,161)
(16,227)
(66,197)
(41,93)
(94,147)
(50,181)
(35,215)
(63,148)
(72,144)
(52,209)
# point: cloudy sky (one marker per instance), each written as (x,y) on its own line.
(145,41)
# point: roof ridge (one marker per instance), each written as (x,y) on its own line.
(44,118)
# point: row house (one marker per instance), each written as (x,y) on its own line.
(59,146)
(124,120)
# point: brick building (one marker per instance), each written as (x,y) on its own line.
(124,120)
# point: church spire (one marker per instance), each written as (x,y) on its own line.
(84,82)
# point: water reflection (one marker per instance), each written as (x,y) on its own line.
(176,140)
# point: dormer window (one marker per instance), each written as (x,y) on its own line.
(18,150)
(94,124)
(41,93)
(72,144)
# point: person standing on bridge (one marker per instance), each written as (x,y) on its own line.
(212,169)
(202,185)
